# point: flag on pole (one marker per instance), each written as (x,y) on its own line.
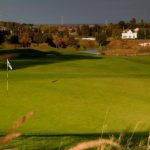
(9,65)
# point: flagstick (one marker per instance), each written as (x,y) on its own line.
(7,80)
(8,67)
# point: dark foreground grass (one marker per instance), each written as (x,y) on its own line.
(70,94)
(63,142)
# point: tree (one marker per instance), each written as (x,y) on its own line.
(148,33)
(57,41)
(38,38)
(133,23)
(25,40)
(79,31)
(116,33)
(144,34)
(14,39)
(73,42)
(142,24)
(65,42)
(122,25)
(101,38)
(64,33)
(2,38)
(85,30)
(49,40)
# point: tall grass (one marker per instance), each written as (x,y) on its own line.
(12,133)
(95,143)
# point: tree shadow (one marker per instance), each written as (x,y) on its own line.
(23,58)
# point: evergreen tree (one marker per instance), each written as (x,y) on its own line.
(14,39)
(2,37)
(141,34)
(133,23)
(85,30)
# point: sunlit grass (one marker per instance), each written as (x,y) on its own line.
(71,94)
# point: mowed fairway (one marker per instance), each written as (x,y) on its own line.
(71,94)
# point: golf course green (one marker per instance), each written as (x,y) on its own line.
(75,93)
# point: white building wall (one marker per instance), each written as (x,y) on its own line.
(129,35)
(89,39)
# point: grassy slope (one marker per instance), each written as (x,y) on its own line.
(78,100)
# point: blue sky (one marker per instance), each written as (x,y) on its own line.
(74,11)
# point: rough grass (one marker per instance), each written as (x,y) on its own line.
(126,48)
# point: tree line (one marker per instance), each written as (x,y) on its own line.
(61,36)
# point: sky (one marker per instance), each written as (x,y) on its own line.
(73,11)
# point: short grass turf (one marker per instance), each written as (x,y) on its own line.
(72,93)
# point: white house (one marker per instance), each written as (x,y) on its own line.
(129,34)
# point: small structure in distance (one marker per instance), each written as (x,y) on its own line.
(145,44)
(129,34)
(88,39)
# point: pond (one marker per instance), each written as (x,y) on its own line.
(90,51)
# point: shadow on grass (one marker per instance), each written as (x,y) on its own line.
(129,139)
(69,140)
(126,135)
(22,58)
